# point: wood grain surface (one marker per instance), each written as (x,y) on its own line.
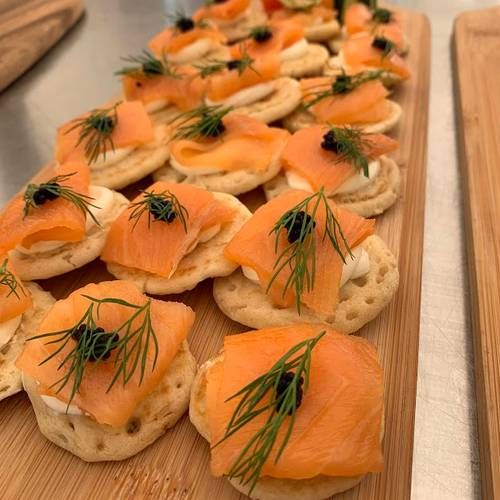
(177,465)
(477,79)
(28,29)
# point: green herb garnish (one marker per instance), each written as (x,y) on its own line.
(347,143)
(201,122)
(149,66)
(91,344)
(214,66)
(37,195)
(163,206)
(10,281)
(299,256)
(341,85)
(382,16)
(279,392)
(341,6)
(95,132)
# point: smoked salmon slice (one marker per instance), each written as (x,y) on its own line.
(157,246)
(337,427)
(359,18)
(55,220)
(284,34)
(364,104)
(229,81)
(306,17)
(173,40)
(358,53)
(170,321)
(255,246)
(14,297)
(271,5)
(185,89)
(132,128)
(305,156)
(260,143)
(222,11)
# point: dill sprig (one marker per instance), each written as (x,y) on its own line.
(263,395)
(201,122)
(342,84)
(213,66)
(91,344)
(10,281)
(95,132)
(382,16)
(147,65)
(299,256)
(347,143)
(164,206)
(37,195)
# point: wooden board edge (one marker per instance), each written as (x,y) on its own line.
(408,396)
(490,480)
(77,12)
(420,201)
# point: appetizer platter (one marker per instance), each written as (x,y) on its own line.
(479,142)
(213,289)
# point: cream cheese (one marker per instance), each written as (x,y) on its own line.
(348,69)
(153,106)
(356,266)
(203,237)
(103,200)
(193,51)
(351,185)
(295,51)
(209,233)
(110,157)
(59,406)
(246,96)
(360,181)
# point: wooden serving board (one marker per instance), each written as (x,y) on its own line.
(477,80)
(28,29)
(177,465)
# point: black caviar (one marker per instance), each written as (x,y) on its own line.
(184,24)
(382,44)
(162,210)
(299,226)
(47,193)
(330,142)
(262,34)
(285,380)
(99,343)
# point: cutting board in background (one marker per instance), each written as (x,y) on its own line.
(28,29)
(176,467)
(477,81)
